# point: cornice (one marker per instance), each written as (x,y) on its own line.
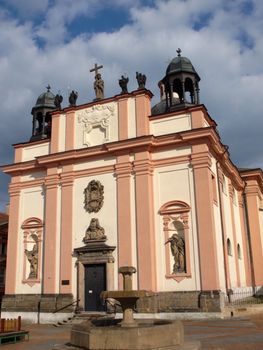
(207,135)
(186,110)
(30,143)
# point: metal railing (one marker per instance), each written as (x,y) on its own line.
(243,298)
(66,306)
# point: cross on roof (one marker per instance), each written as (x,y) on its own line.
(96,69)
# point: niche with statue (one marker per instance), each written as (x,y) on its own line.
(32,234)
(175,216)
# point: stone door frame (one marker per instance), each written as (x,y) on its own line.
(93,254)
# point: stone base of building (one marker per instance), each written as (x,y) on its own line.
(46,308)
(42,308)
(35,317)
(38,302)
(194,301)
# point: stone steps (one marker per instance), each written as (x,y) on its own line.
(80,317)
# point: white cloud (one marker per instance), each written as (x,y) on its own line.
(231,72)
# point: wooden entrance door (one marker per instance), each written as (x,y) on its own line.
(95,283)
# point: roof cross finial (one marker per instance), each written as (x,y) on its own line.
(48,88)
(179,52)
(96,69)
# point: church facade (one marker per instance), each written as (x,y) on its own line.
(115,183)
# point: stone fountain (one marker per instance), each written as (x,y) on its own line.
(128,333)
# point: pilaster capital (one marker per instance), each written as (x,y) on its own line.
(14,189)
(52,181)
(123,169)
(143,167)
(201,160)
(67,179)
(252,190)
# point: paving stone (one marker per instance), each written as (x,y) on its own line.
(227,334)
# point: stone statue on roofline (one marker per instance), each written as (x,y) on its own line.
(58,100)
(123,82)
(141,80)
(73,98)
(98,83)
(99,87)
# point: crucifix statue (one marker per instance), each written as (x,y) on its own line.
(98,83)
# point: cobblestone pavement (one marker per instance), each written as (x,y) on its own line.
(235,333)
(42,337)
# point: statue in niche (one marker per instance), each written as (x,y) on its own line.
(94,196)
(177,245)
(58,100)
(94,232)
(123,82)
(73,98)
(141,80)
(99,87)
(32,257)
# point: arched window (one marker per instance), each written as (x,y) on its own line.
(175,216)
(229,247)
(189,90)
(239,251)
(177,87)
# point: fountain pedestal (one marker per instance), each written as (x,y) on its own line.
(128,333)
(126,297)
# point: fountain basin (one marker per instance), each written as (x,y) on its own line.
(147,334)
(127,299)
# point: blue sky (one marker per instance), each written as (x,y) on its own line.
(56,42)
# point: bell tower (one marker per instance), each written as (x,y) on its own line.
(45,103)
(181,83)
(180,86)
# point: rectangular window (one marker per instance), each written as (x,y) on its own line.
(234,196)
(214,188)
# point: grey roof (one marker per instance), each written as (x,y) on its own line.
(45,100)
(161,108)
(180,64)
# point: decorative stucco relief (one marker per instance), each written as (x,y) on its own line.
(94,196)
(97,117)
(94,232)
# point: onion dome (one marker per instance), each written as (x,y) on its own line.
(46,100)
(180,64)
